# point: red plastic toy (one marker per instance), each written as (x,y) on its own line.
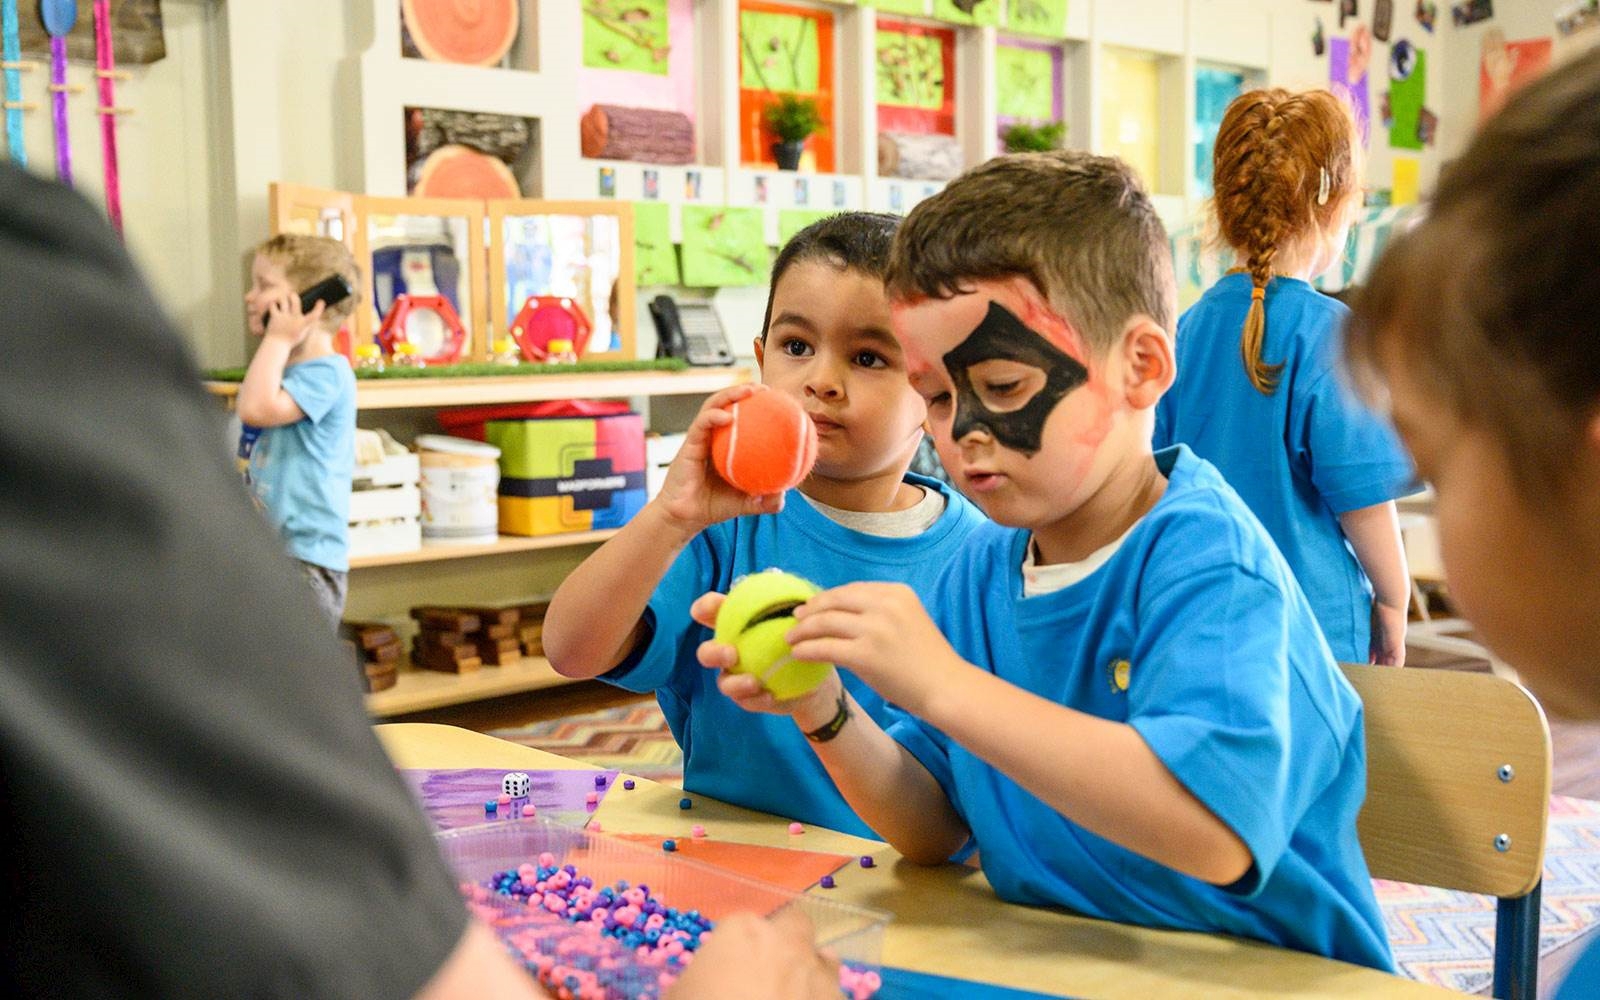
(394,329)
(544,318)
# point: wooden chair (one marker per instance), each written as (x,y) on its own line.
(1458,796)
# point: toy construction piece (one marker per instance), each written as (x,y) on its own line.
(428,322)
(546,318)
(60,17)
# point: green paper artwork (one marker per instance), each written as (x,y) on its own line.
(1024,83)
(918,7)
(655,259)
(724,246)
(984,12)
(910,70)
(1406,98)
(779,52)
(1037,17)
(626,34)
(792,220)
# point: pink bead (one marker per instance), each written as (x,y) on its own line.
(873,981)
(796,828)
(654,921)
(697,831)
(592,798)
(504,800)
(547,860)
(594,825)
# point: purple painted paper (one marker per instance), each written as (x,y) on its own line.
(1355,91)
(454,798)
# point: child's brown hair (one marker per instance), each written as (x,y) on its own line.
(1286,165)
(1492,303)
(1079,227)
(306,260)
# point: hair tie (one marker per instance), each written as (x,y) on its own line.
(1323,185)
(1258,292)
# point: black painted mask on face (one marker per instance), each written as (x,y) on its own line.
(989,392)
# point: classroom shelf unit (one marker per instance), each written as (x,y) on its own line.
(511,569)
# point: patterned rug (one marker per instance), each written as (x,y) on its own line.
(633,738)
(1439,937)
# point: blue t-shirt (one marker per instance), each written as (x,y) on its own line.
(300,472)
(763,761)
(1298,458)
(1195,634)
(1582,981)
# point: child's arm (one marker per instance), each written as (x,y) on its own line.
(594,620)
(884,783)
(262,400)
(1100,774)
(1374,533)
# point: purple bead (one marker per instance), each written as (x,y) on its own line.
(867,862)
(827,882)
(599,781)
(627,784)
(686,803)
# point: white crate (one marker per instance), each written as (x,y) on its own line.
(385,537)
(385,504)
(396,470)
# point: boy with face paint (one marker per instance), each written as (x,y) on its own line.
(1117,691)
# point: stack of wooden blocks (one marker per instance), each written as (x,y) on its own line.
(458,639)
(378,650)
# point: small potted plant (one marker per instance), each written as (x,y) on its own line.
(1029,137)
(792,119)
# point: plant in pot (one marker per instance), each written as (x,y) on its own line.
(1031,137)
(792,119)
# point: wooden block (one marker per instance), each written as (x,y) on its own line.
(444,637)
(383,682)
(375,669)
(493,616)
(427,647)
(495,656)
(367,635)
(532,637)
(447,665)
(387,653)
(535,612)
(454,619)
(498,632)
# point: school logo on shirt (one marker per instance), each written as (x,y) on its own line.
(1118,673)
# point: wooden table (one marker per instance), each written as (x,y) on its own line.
(947,920)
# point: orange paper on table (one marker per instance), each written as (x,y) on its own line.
(780,866)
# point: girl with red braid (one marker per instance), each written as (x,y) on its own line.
(1259,391)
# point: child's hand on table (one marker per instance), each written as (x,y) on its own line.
(693,497)
(751,957)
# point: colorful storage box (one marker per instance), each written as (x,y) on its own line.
(569,473)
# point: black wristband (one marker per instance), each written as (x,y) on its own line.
(830,729)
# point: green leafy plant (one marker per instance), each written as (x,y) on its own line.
(793,118)
(1025,137)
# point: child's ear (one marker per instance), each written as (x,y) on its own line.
(1151,365)
(761,351)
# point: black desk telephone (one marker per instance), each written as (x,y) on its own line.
(690,331)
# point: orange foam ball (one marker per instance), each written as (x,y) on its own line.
(769,446)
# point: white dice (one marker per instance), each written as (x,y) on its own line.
(515,784)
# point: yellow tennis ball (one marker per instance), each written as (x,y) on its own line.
(758,612)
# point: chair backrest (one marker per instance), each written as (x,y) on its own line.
(1458,779)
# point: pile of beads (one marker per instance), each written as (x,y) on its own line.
(616,942)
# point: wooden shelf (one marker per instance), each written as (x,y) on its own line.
(501,546)
(431,392)
(416,690)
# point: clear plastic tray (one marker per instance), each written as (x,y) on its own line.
(852,933)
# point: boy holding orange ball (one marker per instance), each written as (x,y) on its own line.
(623,615)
